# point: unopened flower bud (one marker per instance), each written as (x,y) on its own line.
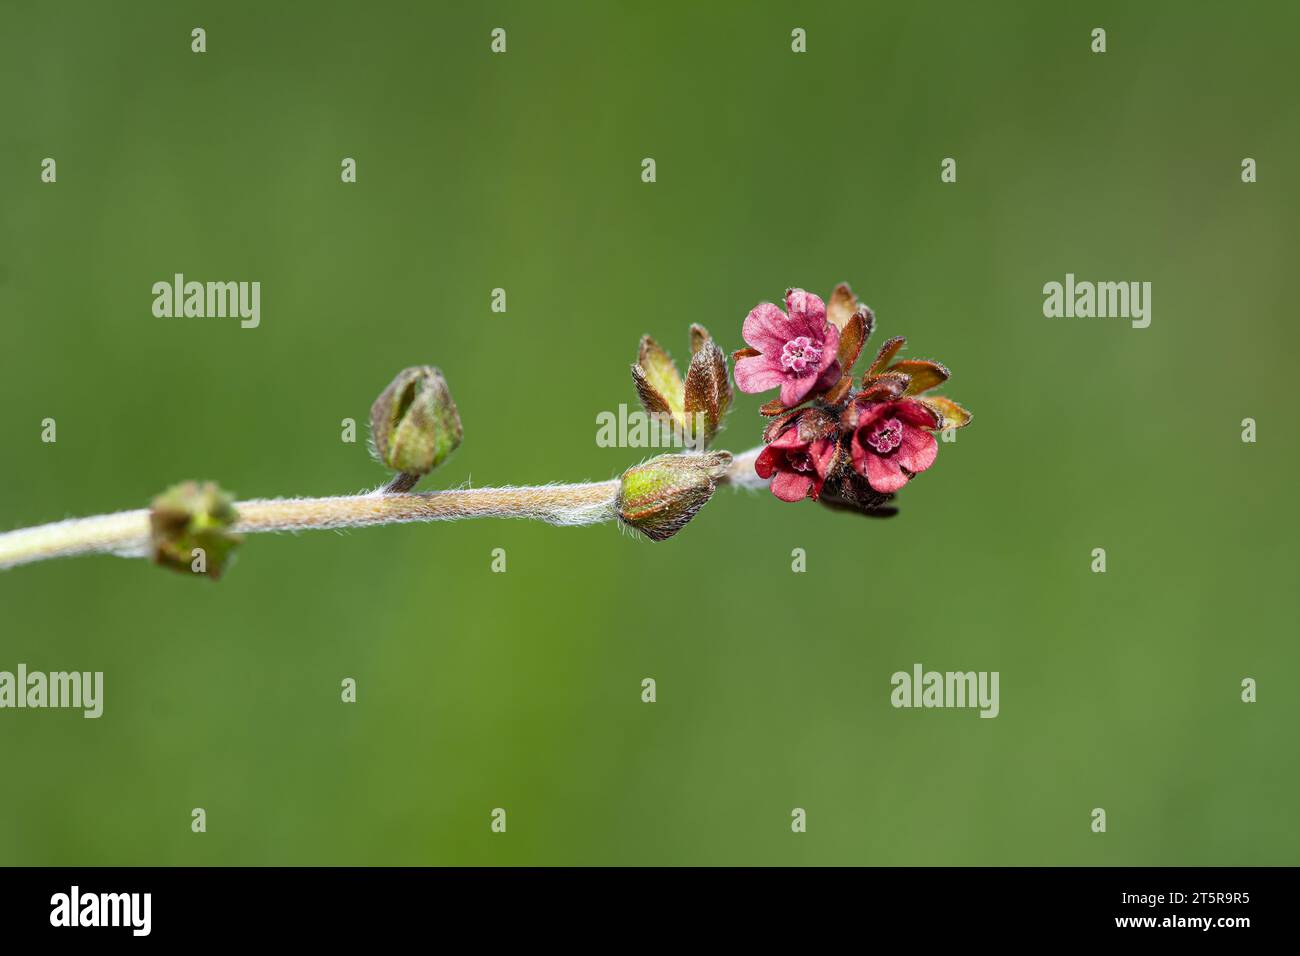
(708,388)
(693,408)
(660,496)
(189,526)
(414,423)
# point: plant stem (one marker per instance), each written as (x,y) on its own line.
(555,504)
(127,533)
(741,473)
(402,481)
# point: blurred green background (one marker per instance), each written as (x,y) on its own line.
(522,690)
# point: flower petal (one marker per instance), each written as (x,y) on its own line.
(758,374)
(884,474)
(869,412)
(918,450)
(788,440)
(767,328)
(859,453)
(765,463)
(822,452)
(916,412)
(791,486)
(795,390)
(807,310)
(830,344)
(829,376)
(924,375)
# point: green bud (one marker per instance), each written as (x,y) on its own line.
(189,527)
(660,496)
(414,423)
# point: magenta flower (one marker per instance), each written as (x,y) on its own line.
(796,352)
(890,444)
(800,466)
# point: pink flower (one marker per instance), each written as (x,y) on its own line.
(890,445)
(796,352)
(800,466)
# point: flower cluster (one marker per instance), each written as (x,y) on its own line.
(840,441)
(843,441)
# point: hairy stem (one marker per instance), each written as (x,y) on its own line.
(741,473)
(402,481)
(555,504)
(127,533)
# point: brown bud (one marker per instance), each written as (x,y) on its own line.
(708,388)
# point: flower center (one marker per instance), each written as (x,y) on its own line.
(799,354)
(800,460)
(887,436)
